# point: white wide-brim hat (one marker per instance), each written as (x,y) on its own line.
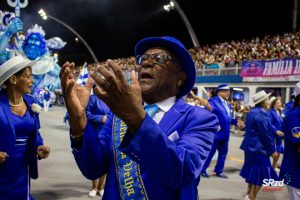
(259,97)
(13,66)
(271,100)
(297,89)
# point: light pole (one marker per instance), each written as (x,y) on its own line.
(45,16)
(174,5)
(295,15)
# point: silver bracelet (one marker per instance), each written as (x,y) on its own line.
(77,137)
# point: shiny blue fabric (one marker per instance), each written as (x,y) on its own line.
(95,111)
(8,133)
(15,185)
(258,137)
(277,122)
(170,169)
(256,168)
(288,107)
(225,120)
(290,167)
(222,137)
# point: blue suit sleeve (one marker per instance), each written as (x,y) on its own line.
(212,105)
(265,135)
(92,118)
(173,163)
(39,139)
(274,129)
(92,157)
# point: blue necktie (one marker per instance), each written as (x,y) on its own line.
(151,109)
(227,107)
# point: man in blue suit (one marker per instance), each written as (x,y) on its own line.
(154,145)
(223,111)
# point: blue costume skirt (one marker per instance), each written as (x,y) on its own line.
(15,186)
(14,172)
(256,168)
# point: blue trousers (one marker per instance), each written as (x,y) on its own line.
(222,146)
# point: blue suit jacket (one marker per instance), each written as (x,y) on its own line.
(225,120)
(276,120)
(95,111)
(8,137)
(288,107)
(259,137)
(169,168)
(290,168)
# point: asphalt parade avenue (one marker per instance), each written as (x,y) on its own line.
(60,179)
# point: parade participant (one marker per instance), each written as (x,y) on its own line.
(277,122)
(290,168)
(158,155)
(96,113)
(46,99)
(288,107)
(258,145)
(223,111)
(76,74)
(20,141)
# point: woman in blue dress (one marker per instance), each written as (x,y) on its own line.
(290,168)
(20,142)
(258,145)
(277,122)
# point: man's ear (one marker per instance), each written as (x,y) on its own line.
(181,78)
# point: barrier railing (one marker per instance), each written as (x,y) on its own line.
(220,71)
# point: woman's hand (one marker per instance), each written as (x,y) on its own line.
(3,156)
(275,155)
(43,151)
(280,133)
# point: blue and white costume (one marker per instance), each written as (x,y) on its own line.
(277,122)
(95,111)
(222,136)
(19,137)
(170,154)
(290,168)
(258,145)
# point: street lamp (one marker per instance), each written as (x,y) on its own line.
(45,16)
(174,5)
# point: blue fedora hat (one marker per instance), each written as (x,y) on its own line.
(176,47)
(223,86)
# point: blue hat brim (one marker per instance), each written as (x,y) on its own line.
(181,53)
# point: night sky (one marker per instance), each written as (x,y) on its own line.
(112,27)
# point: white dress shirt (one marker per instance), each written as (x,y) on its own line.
(164,106)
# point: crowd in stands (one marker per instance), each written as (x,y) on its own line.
(231,54)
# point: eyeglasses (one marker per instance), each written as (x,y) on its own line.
(157,59)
